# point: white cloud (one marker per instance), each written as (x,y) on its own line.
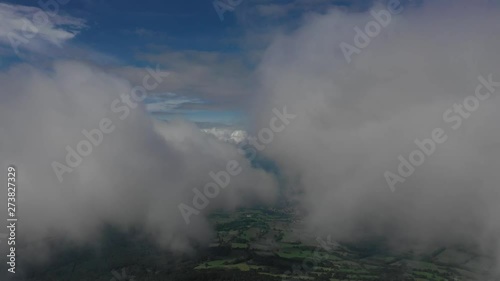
(34,29)
(353,120)
(227,134)
(136,177)
(165,103)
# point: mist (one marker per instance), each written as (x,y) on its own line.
(357,114)
(135,178)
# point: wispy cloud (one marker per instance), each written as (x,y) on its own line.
(33,29)
(165,103)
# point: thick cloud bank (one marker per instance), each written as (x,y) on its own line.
(354,119)
(136,175)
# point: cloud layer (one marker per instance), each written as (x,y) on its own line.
(135,178)
(355,119)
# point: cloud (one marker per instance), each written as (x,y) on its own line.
(227,134)
(168,103)
(135,178)
(222,78)
(354,120)
(34,29)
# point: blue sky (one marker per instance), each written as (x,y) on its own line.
(211,60)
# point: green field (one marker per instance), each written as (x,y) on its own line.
(271,243)
(265,245)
